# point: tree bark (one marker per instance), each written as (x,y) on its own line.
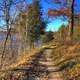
(72,20)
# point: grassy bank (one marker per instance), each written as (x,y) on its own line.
(67,57)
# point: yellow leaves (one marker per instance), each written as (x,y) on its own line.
(49,46)
(75,71)
(68,53)
(24,59)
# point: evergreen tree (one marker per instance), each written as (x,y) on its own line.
(35,22)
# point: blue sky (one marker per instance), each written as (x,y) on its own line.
(55,23)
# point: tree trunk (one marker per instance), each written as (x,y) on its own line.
(72,20)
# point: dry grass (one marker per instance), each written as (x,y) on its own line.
(24,59)
(67,53)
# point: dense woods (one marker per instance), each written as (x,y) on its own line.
(28,51)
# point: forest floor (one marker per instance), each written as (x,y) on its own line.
(41,68)
(48,64)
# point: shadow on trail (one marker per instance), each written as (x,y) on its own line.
(37,70)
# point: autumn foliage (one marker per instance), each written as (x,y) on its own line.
(52,13)
(62,11)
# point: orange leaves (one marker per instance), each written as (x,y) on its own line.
(52,13)
(61,11)
(65,11)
